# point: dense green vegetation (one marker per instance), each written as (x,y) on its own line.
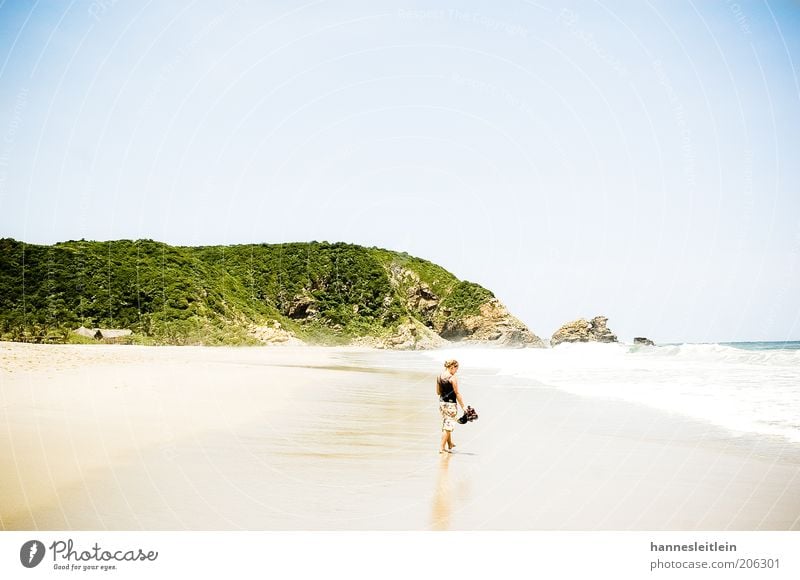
(323,292)
(465,299)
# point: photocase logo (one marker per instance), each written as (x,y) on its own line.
(31,553)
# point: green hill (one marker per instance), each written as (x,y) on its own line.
(329,293)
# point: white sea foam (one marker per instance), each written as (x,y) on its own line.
(742,390)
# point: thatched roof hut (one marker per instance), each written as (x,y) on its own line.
(83,331)
(105,334)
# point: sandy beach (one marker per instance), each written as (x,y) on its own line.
(305,438)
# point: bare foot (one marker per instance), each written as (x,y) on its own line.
(444,451)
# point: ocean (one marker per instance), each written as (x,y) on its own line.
(746,387)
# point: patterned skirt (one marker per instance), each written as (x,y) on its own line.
(449,411)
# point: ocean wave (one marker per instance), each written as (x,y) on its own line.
(721,352)
(742,390)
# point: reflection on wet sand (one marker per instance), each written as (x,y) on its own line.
(443,496)
(229,439)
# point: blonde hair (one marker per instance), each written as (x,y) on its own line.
(449,363)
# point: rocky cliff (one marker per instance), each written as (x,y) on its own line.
(459,311)
(492,323)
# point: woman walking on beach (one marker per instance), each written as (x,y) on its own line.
(447,389)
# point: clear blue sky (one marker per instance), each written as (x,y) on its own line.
(635,159)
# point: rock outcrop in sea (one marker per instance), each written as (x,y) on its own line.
(581,330)
(643,341)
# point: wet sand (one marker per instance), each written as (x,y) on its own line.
(163,438)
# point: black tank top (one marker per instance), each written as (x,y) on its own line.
(448,395)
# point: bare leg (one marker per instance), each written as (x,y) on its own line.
(445,437)
(450,439)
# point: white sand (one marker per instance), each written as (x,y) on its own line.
(118,437)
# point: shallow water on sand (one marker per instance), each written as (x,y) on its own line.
(353,445)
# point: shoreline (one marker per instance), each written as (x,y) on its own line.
(345,438)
